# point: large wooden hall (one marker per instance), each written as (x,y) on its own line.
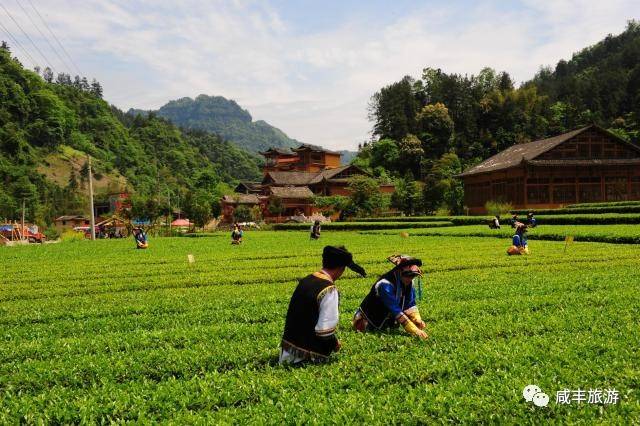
(589,164)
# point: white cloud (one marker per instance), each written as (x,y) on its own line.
(315,86)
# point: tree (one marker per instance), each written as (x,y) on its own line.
(365,195)
(442,188)
(385,153)
(47,75)
(242,213)
(410,154)
(275,206)
(96,88)
(198,207)
(407,197)
(393,110)
(435,129)
(8,206)
(72,184)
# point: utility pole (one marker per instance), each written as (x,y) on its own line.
(170,212)
(22,228)
(93,219)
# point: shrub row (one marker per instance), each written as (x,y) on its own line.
(583,210)
(405,219)
(615,234)
(360,226)
(568,219)
(609,204)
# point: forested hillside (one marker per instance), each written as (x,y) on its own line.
(48,126)
(216,114)
(432,128)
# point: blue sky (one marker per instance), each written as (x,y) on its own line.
(307,67)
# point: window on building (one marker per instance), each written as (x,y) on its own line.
(583,150)
(615,188)
(590,192)
(316,157)
(635,188)
(564,194)
(538,194)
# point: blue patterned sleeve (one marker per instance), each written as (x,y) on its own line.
(388,297)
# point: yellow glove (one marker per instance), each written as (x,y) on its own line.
(412,329)
(414,316)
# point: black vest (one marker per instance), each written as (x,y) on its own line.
(302,316)
(374,310)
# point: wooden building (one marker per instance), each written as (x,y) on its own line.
(585,165)
(326,182)
(295,176)
(305,158)
(295,200)
(231,202)
(68,222)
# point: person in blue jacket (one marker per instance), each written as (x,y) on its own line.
(141,238)
(531,221)
(392,300)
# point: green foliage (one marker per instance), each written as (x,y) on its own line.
(407,197)
(215,114)
(275,206)
(242,213)
(498,208)
(386,154)
(40,119)
(332,204)
(435,129)
(477,116)
(154,339)
(365,196)
(361,225)
(442,188)
(198,207)
(625,208)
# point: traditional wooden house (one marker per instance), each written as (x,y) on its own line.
(305,158)
(65,223)
(248,188)
(294,200)
(326,182)
(589,164)
(295,176)
(231,202)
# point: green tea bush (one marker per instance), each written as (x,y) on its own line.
(102,333)
(583,210)
(498,208)
(360,226)
(607,204)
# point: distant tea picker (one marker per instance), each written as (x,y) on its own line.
(519,240)
(140,236)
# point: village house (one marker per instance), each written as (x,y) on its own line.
(68,222)
(294,177)
(586,165)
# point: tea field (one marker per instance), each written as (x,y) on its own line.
(101,332)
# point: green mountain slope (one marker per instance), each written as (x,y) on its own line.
(48,128)
(226,118)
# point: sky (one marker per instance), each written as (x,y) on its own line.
(306,67)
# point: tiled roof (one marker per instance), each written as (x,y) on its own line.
(314,148)
(291,178)
(72,217)
(241,199)
(515,154)
(291,191)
